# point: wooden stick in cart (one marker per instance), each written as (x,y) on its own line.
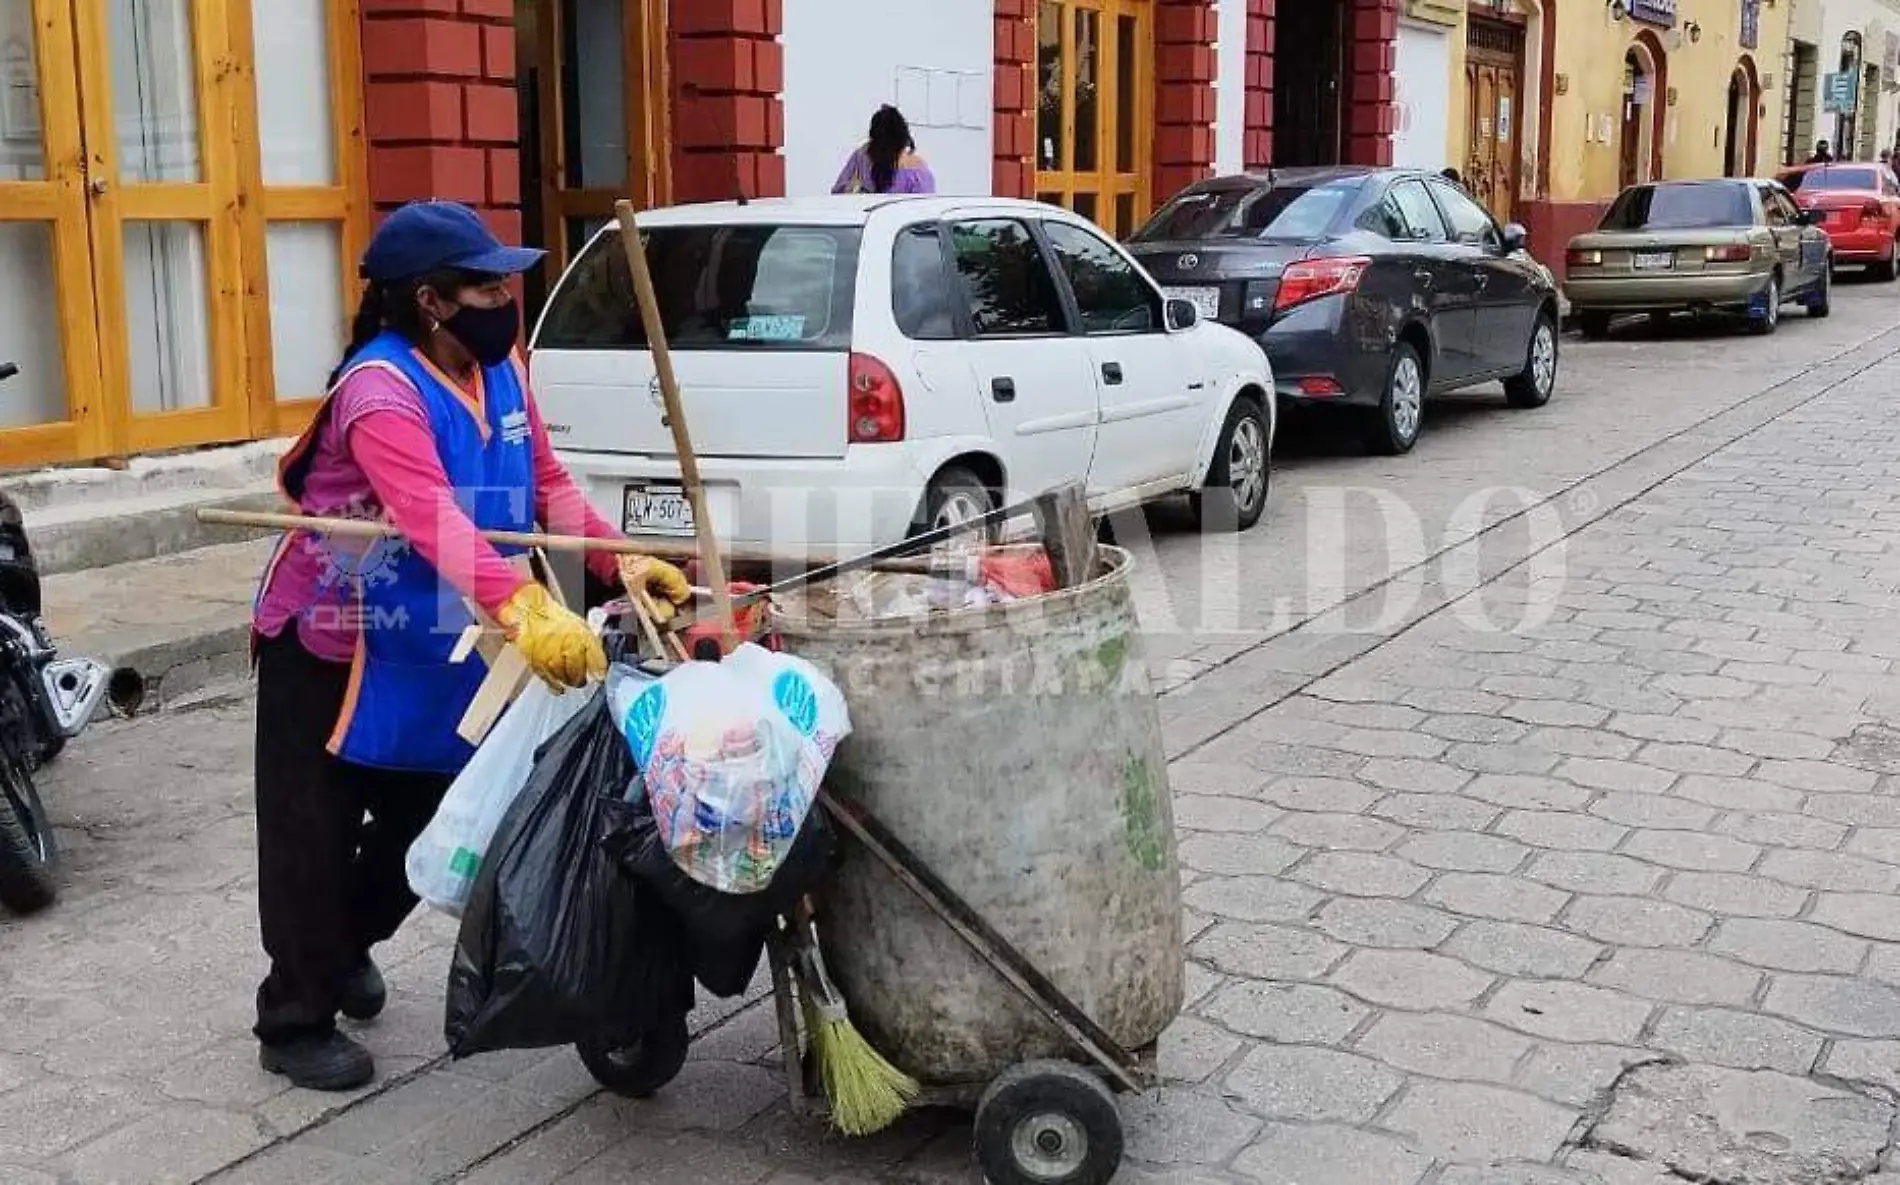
(714,567)
(363,528)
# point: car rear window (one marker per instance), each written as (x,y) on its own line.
(1680,207)
(1829,177)
(719,287)
(1264,212)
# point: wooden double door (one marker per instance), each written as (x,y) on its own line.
(593,86)
(1494,80)
(174,237)
(1095,109)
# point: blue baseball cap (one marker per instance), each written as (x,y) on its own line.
(424,237)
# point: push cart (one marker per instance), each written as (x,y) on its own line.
(1005,922)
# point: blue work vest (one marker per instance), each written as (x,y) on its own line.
(405,697)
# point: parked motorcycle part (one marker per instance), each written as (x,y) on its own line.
(74,687)
(28,854)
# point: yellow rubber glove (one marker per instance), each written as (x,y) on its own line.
(666,586)
(554,639)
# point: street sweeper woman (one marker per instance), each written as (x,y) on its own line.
(429,424)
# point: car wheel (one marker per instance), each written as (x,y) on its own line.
(1883,270)
(1820,302)
(1593,324)
(1395,422)
(1767,318)
(1533,386)
(1238,477)
(954,496)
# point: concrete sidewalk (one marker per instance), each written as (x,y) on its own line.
(182,620)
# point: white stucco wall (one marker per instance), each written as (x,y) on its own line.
(930,57)
(1230,88)
(1419,82)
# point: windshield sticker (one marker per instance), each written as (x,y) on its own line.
(778,328)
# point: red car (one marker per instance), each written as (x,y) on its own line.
(1861,205)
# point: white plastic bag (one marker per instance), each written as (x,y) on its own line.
(732,754)
(444,859)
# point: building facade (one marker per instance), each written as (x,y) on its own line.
(185,206)
(1555,105)
(1841,62)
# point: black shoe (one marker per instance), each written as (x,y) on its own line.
(330,1062)
(364,993)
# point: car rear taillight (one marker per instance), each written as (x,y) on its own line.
(1310,279)
(877,402)
(1872,210)
(1732,253)
(1578,257)
(1319,386)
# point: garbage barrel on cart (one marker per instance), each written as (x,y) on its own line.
(1016,749)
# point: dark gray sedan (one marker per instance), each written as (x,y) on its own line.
(1369,288)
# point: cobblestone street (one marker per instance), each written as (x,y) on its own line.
(1564,851)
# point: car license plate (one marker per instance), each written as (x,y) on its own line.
(1650,261)
(654,508)
(1206,301)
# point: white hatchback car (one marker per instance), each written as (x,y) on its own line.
(854,369)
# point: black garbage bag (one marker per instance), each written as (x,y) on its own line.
(725,933)
(559,944)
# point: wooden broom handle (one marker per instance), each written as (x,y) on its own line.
(673,551)
(714,569)
(364,528)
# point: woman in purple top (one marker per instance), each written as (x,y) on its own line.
(888,162)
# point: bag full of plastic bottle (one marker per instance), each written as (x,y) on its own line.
(732,754)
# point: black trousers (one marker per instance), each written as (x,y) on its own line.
(331,839)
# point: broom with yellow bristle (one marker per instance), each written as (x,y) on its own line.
(866,1093)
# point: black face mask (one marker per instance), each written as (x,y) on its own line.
(489,334)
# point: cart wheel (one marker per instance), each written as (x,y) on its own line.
(1048,1123)
(638,1070)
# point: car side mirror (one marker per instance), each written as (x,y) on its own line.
(1810,217)
(1183,315)
(1515,236)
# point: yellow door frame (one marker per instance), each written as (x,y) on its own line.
(343,203)
(644,77)
(59,203)
(86,203)
(1106,183)
(212,203)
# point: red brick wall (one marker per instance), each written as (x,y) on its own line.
(1371,113)
(1013,170)
(1185,68)
(1257,151)
(1551,225)
(439,105)
(728,83)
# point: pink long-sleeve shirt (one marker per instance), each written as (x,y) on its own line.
(375,456)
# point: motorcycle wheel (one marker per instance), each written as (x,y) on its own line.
(28,855)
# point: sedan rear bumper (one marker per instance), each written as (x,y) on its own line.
(1310,348)
(1860,246)
(1641,293)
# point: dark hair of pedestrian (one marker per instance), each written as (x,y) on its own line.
(392,304)
(890,140)
(1452,176)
